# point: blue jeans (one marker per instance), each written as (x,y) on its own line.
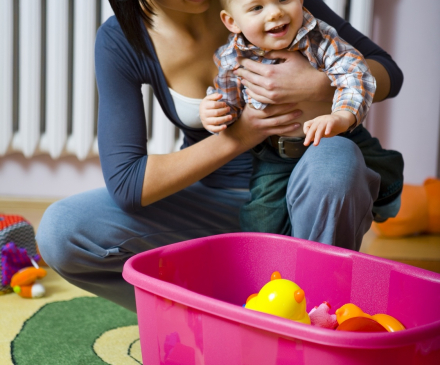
(325,196)
(87,238)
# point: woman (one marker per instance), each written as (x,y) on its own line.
(154,200)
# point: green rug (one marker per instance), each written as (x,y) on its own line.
(67,332)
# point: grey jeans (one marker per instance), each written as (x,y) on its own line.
(87,238)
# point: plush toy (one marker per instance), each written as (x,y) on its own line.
(23,282)
(320,316)
(419,212)
(13,259)
(17,246)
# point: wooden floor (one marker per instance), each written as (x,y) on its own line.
(421,251)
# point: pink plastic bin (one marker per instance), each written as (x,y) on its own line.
(189,298)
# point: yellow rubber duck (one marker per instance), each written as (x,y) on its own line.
(280,297)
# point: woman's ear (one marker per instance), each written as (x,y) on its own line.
(229,22)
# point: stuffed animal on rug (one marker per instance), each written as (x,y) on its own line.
(19,272)
(18,249)
(419,212)
(24,283)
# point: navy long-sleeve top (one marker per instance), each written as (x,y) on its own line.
(122,133)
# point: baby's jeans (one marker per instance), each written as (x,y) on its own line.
(325,196)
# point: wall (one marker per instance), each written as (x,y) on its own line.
(408,123)
(409,30)
(41,177)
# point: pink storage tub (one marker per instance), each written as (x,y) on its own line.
(189,298)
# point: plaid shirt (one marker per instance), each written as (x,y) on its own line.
(325,50)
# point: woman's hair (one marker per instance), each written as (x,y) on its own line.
(130,15)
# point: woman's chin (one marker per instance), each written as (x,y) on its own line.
(186,6)
(198,6)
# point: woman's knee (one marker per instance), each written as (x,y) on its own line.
(54,234)
(335,168)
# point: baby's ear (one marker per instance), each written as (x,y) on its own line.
(229,22)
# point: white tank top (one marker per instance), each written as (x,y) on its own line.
(188,112)
(187,109)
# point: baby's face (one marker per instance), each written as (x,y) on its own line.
(268,24)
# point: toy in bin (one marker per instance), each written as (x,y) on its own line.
(320,316)
(280,297)
(351,318)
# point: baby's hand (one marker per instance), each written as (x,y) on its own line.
(327,126)
(213,113)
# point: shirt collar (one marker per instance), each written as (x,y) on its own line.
(309,23)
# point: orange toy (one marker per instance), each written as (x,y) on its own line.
(23,282)
(419,212)
(351,311)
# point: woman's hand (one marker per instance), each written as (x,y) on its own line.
(168,173)
(256,125)
(292,80)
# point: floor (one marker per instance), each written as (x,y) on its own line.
(421,251)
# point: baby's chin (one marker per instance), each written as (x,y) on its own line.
(277,46)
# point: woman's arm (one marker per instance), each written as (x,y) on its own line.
(296,80)
(169,173)
(383,81)
(369,49)
(135,179)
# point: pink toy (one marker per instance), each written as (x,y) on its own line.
(320,316)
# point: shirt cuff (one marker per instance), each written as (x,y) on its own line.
(353,108)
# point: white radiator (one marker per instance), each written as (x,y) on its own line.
(358,12)
(48,97)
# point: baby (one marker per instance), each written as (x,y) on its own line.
(260,26)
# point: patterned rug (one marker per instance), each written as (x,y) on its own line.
(68,326)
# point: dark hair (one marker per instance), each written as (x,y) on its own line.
(130,14)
